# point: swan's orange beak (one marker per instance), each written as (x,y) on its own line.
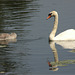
(48,17)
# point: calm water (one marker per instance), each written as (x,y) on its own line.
(31,52)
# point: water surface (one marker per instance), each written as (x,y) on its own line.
(31,52)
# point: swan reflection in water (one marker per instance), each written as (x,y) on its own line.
(66,45)
(4,43)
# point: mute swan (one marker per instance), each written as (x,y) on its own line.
(6,36)
(66,35)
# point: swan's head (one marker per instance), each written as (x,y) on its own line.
(13,35)
(52,14)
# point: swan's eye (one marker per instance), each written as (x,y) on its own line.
(49,14)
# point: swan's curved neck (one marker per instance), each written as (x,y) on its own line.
(54,27)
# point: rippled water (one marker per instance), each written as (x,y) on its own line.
(31,53)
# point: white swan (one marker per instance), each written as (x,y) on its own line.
(66,35)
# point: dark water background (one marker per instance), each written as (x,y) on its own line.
(30,54)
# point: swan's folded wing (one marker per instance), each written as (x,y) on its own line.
(66,35)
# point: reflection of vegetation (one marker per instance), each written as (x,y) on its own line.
(6,64)
(16,14)
(72,51)
(63,63)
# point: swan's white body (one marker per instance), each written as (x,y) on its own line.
(66,35)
